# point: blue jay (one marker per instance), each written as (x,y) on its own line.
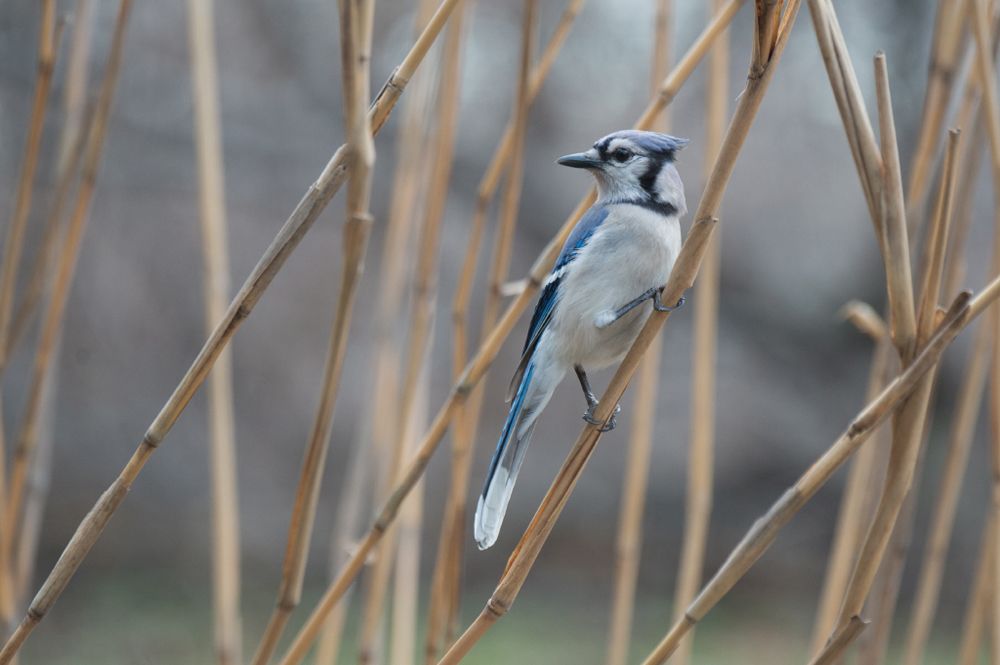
(602,289)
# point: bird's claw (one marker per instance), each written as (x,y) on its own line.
(660,307)
(607,426)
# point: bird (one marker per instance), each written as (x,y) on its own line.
(603,287)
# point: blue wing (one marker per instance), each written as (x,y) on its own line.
(576,241)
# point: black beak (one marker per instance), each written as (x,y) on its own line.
(579,160)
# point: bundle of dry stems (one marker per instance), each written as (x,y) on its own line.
(874,528)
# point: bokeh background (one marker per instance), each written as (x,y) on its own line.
(796,245)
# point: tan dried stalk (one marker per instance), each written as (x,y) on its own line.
(945,56)
(839,642)
(421,314)
(701,450)
(287,239)
(628,544)
(761,70)
(753,545)
(978,605)
(445,591)
(393,279)
(484,356)
(65,267)
(856,502)
(956,460)
(355,44)
(14,242)
(222,437)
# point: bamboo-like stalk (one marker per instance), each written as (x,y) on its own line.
(12,248)
(14,242)
(406,578)
(628,543)
(287,239)
(977,607)
(421,315)
(445,586)
(222,436)
(355,38)
(64,270)
(839,642)
(484,356)
(393,277)
(771,45)
(855,501)
(701,450)
(760,536)
(945,53)
(936,549)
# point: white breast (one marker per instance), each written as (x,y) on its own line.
(633,250)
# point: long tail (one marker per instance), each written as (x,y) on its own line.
(531,396)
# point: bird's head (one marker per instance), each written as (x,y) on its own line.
(633,166)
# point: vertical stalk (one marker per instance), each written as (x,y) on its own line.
(212,213)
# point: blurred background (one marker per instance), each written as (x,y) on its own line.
(796,245)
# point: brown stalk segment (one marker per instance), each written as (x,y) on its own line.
(855,504)
(838,644)
(14,243)
(956,460)
(753,545)
(628,544)
(53,317)
(682,277)
(355,33)
(945,52)
(705,332)
(978,605)
(480,362)
(422,312)
(287,239)
(443,605)
(393,279)
(212,212)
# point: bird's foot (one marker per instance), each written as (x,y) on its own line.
(660,307)
(607,426)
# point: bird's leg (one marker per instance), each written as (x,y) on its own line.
(592,403)
(607,318)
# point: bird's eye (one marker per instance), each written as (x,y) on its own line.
(621,155)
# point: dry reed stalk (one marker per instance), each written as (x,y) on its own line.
(701,449)
(14,242)
(945,53)
(393,278)
(628,544)
(476,368)
(287,239)
(839,642)
(978,604)
(52,321)
(355,42)
(770,44)
(445,591)
(406,578)
(421,314)
(855,502)
(71,139)
(222,437)
(961,312)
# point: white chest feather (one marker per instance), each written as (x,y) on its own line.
(633,250)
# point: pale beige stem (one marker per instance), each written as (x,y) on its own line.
(355,34)
(212,212)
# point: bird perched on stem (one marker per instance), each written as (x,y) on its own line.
(605,283)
